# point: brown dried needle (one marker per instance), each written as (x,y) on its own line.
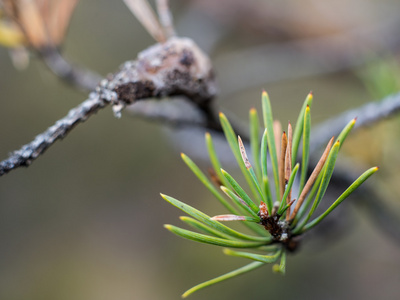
(165,16)
(288,166)
(146,16)
(277,134)
(312,179)
(243,153)
(281,163)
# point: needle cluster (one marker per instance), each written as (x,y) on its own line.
(277,213)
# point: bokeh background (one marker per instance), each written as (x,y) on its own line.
(85,221)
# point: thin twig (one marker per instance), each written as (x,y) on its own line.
(371,199)
(274,62)
(176,67)
(78,77)
(29,152)
(367,115)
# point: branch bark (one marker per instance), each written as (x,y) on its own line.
(29,152)
(83,79)
(274,62)
(177,67)
(367,115)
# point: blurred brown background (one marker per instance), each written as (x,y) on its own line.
(85,220)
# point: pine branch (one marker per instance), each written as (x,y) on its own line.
(178,67)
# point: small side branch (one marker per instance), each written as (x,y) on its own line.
(76,76)
(367,115)
(371,199)
(177,67)
(312,56)
(29,152)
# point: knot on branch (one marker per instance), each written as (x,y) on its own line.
(176,67)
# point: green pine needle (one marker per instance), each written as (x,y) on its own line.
(207,183)
(214,159)
(342,197)
(264,171)
(255,141)
(298,130)
(281,268)
(269,125)
(238,201)
(274,228)
(214,224)
(257,257)
(345,132)
(282,207)
(202,238)
(233,143)
(306,147)
(328,171)
(244,208)
(238,189)
(204,228)
(247,268)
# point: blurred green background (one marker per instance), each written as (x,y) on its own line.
(85,220)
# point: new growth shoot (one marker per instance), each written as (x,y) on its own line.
(276,215)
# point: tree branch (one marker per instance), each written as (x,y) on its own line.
(29,152)
(177,67)
(81,78)
(274,62)
(367,115)
(370,199)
